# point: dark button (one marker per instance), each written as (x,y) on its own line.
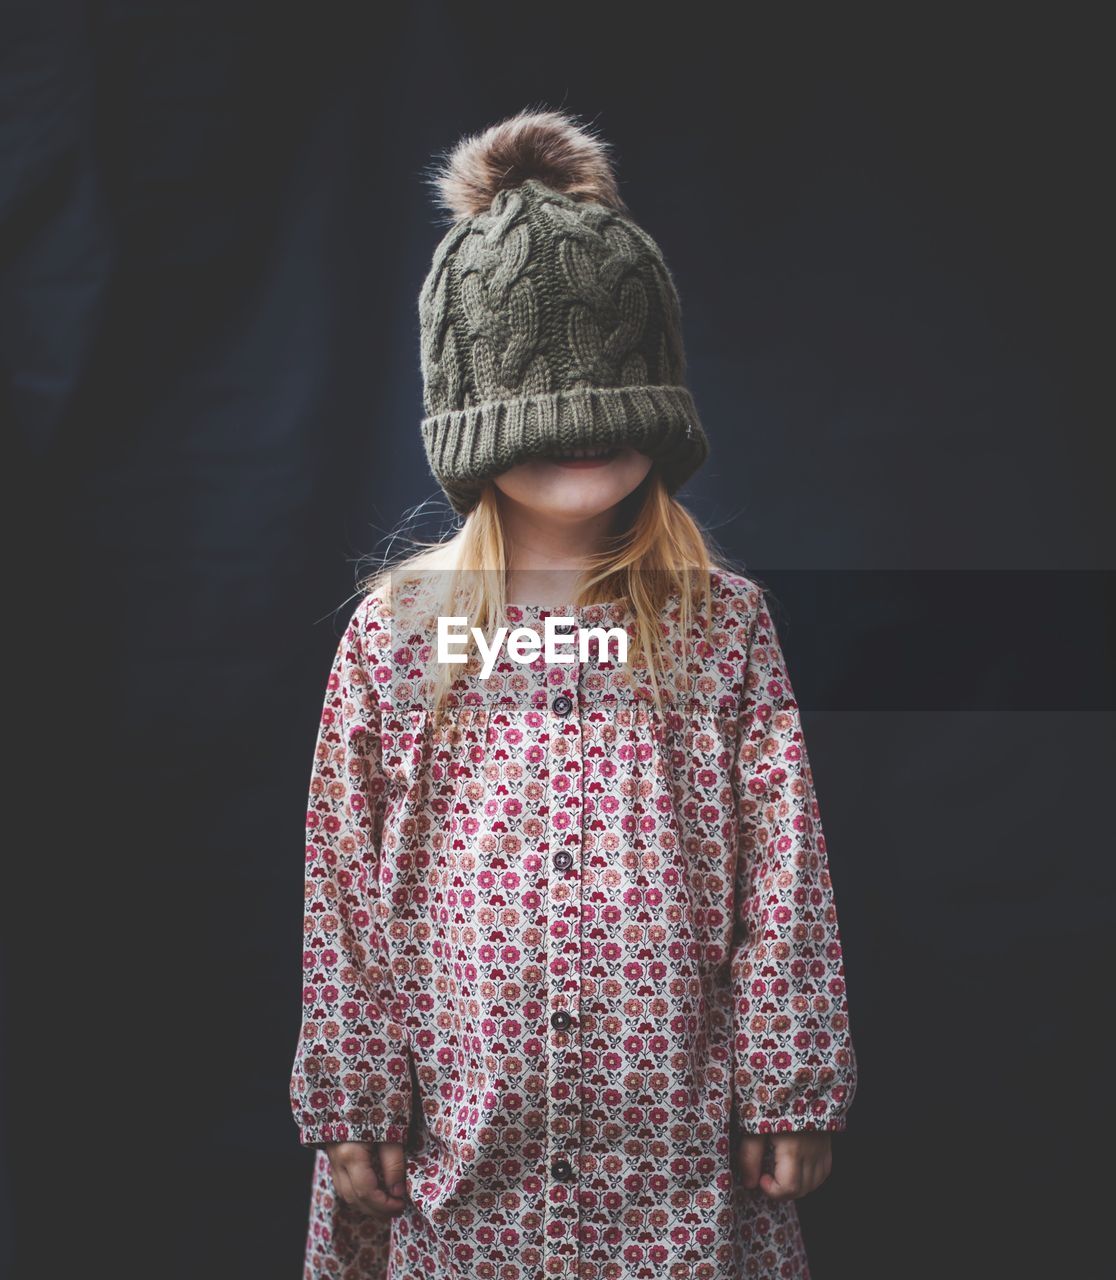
(562,705)
(563,859)
(562,1169)
(565,628)
(560,1020)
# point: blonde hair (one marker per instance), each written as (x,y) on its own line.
(658,550)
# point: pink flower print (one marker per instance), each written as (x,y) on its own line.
(696,917)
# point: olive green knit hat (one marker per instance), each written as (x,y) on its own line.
(549,320)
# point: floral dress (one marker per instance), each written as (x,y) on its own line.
(566,949)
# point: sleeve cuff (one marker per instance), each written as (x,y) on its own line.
(316,1135)
(792,1123)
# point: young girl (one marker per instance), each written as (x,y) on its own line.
(574,1000)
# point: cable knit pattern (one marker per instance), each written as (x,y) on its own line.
(566,949)
(535,315)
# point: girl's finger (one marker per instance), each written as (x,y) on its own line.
(394,1167)
(821,1167)
(749,1154)
(822,1170)
(786,1182)
(342,1184)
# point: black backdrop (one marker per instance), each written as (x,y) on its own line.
(888,237)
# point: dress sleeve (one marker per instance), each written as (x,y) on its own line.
(351,1078)
(794,1065)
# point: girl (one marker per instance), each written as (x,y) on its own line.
(574,999)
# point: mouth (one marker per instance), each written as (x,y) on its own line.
(584,457)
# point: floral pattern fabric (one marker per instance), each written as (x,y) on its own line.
(566,948)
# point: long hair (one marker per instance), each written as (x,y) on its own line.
(656,551)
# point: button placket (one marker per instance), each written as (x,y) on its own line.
(561,1227)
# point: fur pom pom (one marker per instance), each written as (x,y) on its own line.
(547,145)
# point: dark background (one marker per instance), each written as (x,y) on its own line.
(891,247)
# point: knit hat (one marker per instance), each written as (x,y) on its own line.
(549,320)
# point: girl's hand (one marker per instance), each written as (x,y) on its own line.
(802,1162)
(357,1183)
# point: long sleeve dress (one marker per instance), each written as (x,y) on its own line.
(566,949)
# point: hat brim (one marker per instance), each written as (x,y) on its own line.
(465,447)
